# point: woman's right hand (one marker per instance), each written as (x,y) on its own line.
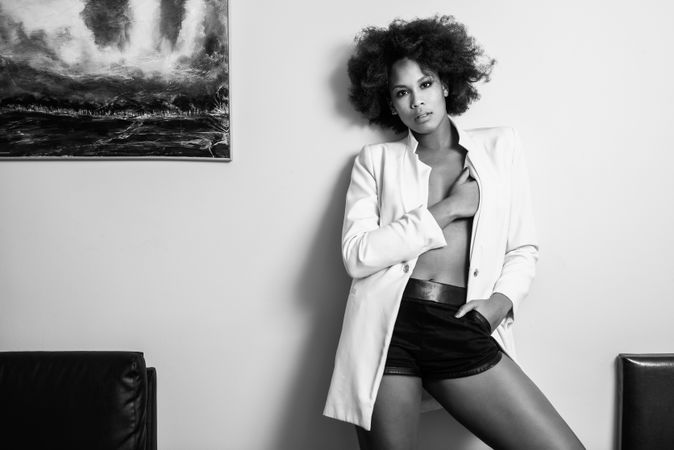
(464,196)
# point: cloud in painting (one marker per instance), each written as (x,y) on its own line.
(108,20)
(15,40)
(170,39)
(172,15)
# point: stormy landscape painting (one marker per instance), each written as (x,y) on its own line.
(114,79)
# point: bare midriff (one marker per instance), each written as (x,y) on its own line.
(447,264)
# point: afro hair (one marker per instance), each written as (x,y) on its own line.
(440,44)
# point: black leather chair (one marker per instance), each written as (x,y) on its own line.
(77,400)
(646,401)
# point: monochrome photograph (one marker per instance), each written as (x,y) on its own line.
(437,225)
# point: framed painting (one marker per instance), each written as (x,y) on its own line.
(114,79)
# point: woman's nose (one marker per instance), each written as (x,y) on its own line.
(416,101)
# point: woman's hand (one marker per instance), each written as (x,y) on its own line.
(464,195)
(462,201)
(494,309)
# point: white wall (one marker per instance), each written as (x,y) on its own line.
(228,276)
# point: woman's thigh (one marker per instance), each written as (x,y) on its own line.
(505,409)
(395,419)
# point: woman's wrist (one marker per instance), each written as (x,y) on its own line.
(503,302)
(443,212)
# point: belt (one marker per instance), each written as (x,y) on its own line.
(435,292)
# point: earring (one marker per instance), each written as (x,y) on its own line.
(445,92)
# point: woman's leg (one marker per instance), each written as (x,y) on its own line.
(505,409)
(395,420)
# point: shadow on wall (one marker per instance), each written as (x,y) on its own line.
(322,287)
(322,290)
(339,83)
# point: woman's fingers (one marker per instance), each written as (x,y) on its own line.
(464,309)
(463,177)
(471,172)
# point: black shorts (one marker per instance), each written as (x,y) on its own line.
(429,342)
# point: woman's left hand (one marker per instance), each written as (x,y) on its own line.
(494,308)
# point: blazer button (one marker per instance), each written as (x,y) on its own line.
(406,268)
(476,272)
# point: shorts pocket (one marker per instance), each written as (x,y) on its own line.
(482,320)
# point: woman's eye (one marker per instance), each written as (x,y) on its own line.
(427,84)
(400,93)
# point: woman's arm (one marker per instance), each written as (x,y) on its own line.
(368,247)
(519,266)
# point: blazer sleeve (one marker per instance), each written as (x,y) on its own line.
(519,266)
(369,246)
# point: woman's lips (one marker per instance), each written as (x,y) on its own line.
(423,116)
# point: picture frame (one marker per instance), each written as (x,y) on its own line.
(114,79)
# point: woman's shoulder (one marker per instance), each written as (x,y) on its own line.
(494,136)
(398,145)
(382,150)
(498,142)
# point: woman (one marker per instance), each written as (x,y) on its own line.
(439,240)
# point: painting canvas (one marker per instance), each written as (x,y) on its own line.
(114,79)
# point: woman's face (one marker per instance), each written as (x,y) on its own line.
(417,96)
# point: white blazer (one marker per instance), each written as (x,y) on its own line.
(387,226)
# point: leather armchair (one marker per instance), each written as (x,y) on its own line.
(645,401)
(77,400)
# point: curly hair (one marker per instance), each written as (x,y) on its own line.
(440,44)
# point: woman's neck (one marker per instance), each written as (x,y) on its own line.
(444,137)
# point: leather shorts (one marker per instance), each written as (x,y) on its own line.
(429,342)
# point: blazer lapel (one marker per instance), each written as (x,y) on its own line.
(413,176)
(479,167)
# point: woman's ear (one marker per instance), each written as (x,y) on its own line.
(393,110)
(445,91)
